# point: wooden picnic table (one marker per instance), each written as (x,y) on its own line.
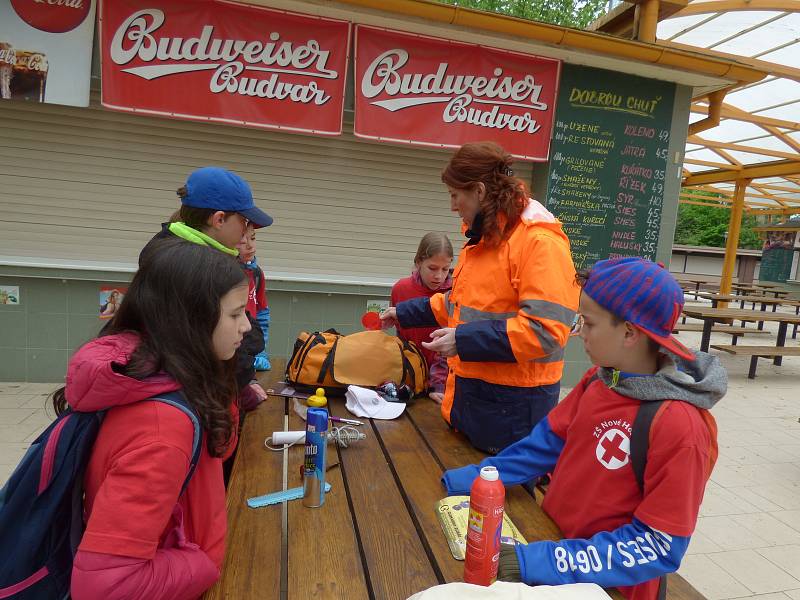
(764,301)
(696,281)
(709,316)
(768,285)
(759,289)
(377,535)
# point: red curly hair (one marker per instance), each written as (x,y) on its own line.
(506,196)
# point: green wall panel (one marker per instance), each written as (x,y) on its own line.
(57,315)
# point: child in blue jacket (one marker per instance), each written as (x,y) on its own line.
(617,532)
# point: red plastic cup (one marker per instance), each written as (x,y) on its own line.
(371,320)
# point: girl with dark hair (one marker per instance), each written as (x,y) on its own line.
(506,320)
(180,325)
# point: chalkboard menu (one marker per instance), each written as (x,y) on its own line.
(608,162)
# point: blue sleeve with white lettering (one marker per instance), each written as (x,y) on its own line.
(629,555)
(530,457)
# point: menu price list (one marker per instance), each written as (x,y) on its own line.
(608,163)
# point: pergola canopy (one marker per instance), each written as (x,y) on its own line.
(757,139)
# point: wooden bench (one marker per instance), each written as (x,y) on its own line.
(732,331)
(757,352)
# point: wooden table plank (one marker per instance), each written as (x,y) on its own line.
(710,315)
(453,450)
(390,481)
(420,474)
(252,567)
(738,313)
(323,556)
(395,558)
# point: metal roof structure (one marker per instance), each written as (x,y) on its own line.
(743,147)
(757,140)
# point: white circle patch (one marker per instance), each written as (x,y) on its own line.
(614,448)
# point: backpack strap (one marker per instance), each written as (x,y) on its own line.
(640,443)
(327,364)
(179,401)
(640,438)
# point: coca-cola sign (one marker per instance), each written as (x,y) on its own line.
(53,16)
(224,61)
(435,92)
(46,50)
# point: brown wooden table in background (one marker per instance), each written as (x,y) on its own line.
(710,316)
(377,535)
(756,288)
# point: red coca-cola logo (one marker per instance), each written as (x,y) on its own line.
(53,16)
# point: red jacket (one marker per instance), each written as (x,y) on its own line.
(141,540)
(412,287)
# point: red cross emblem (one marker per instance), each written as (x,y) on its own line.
(613,449)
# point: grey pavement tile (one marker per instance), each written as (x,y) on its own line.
(710,579)
(12,416)
(786,557)
(11,387)
(767,527)
(725,533)
(15,400)
(790,517)
(756,572)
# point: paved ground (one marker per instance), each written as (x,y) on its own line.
(747,543)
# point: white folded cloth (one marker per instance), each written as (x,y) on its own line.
(503,590)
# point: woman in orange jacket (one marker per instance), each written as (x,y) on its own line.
(506,320)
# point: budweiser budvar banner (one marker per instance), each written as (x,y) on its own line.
(214,60)
(434,92)
(46,50)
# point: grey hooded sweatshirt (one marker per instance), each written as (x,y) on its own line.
(701,382)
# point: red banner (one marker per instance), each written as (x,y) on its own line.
(214,60)
(432,92)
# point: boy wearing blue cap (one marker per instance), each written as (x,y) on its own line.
(626,506)
(216,208)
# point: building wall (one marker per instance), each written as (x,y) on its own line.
(59,305)
(699,264)
(58,314)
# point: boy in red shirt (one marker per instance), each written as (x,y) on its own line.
(618,534)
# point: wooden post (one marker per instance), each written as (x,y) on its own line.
(648,21)
(734,227)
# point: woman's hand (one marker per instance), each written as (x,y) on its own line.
(444,341)
(389,318)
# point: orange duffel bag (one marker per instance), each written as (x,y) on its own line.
(369,358)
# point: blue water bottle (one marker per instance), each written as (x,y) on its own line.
(314,467)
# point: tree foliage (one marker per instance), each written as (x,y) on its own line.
(569,13)
(708,226)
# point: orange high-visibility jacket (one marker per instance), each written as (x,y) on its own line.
(512,306)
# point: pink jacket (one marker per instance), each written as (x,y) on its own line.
(141,539)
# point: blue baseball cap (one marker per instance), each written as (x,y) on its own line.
(643,293)
(220,189)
